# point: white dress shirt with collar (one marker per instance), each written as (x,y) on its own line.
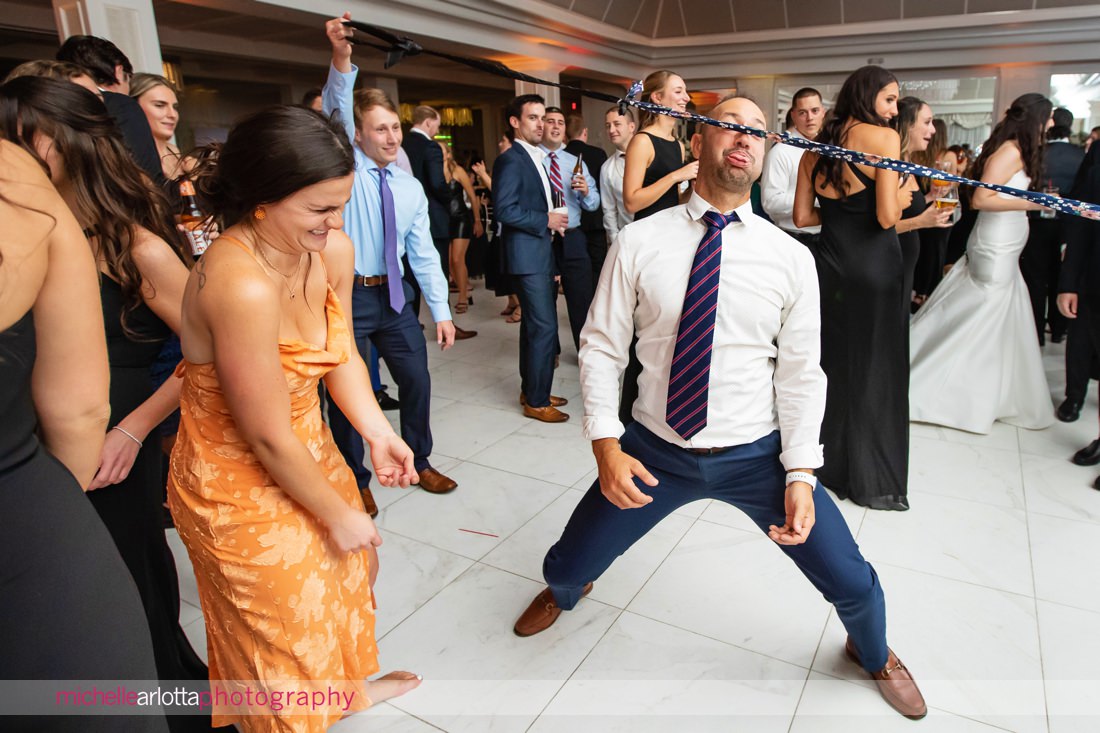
(537,155)
(615,215)
(777,185)
(765,369)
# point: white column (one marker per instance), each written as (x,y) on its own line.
(1013,81)
(129,24)
(543,70)
(762,90)
(387,84)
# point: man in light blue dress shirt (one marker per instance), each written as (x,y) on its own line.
(571,248)
(371,122)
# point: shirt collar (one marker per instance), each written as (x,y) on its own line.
(697,206)
(531,149)
(417,129)
(370,165)
(1059,140)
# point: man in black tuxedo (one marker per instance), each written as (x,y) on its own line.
(426,160)
(576,132)
(111,71)
(1042,255)
(522,205)
(1079,282)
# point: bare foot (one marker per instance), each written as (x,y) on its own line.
(393,684)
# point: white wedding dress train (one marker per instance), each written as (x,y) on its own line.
(974,353)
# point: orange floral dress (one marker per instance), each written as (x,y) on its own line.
(289,619)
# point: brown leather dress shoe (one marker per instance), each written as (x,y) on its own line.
(462,334)
(434,482)
(368,502)
(542,613)
(554,401)
(545,414)
(895,684)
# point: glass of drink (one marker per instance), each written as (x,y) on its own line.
(1045,213)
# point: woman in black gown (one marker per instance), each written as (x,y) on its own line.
(142,275)
(864,339)
(915,128)
(69,610)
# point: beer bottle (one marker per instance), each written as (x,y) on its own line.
(578,171)
(193,219)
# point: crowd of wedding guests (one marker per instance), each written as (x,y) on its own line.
(237,379)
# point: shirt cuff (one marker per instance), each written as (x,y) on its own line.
(597,428)
(803,456)
(440,312)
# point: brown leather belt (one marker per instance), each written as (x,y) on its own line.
(708,451)
(371,281)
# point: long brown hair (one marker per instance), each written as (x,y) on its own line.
(855,103)
(112,194)
(1023,122)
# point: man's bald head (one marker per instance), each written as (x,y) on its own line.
(728,159)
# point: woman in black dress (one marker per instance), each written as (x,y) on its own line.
(652,175)
(463,223)
(142,275)
(864,345)
(69,610)
(655,158)
(933,241)
(915,128)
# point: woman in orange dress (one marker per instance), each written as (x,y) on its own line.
(283,550)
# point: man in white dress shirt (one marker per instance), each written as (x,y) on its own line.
(780,177)
(620,131)
(726,310)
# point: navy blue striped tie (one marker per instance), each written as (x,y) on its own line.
(689,377)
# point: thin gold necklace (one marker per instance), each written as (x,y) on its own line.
(286,278)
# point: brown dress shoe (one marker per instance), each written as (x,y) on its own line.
(895,684)
(554,401)
(542,613)
(545,414)
(461,334)
(368,502)
(434,482)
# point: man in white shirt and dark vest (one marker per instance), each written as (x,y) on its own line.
(731,398)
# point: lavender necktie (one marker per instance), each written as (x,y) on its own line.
(389,246)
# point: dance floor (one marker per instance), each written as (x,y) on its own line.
(991,579)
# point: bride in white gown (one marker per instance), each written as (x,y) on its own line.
(973,348)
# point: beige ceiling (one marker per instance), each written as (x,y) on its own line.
(676,18)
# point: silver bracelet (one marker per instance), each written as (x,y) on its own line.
(128,435)
(803,476)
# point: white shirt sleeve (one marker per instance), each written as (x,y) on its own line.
(799,381)
(607,201)
(605,344)
(776,191)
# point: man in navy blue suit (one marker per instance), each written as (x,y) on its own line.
(522,204)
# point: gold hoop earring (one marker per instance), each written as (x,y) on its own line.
(259,214)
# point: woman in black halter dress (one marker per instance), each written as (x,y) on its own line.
(142,273)
(864,326)
(70,610)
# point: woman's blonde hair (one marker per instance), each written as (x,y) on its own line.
(142,83)
(652,84)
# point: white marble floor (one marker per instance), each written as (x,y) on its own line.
(991,580)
